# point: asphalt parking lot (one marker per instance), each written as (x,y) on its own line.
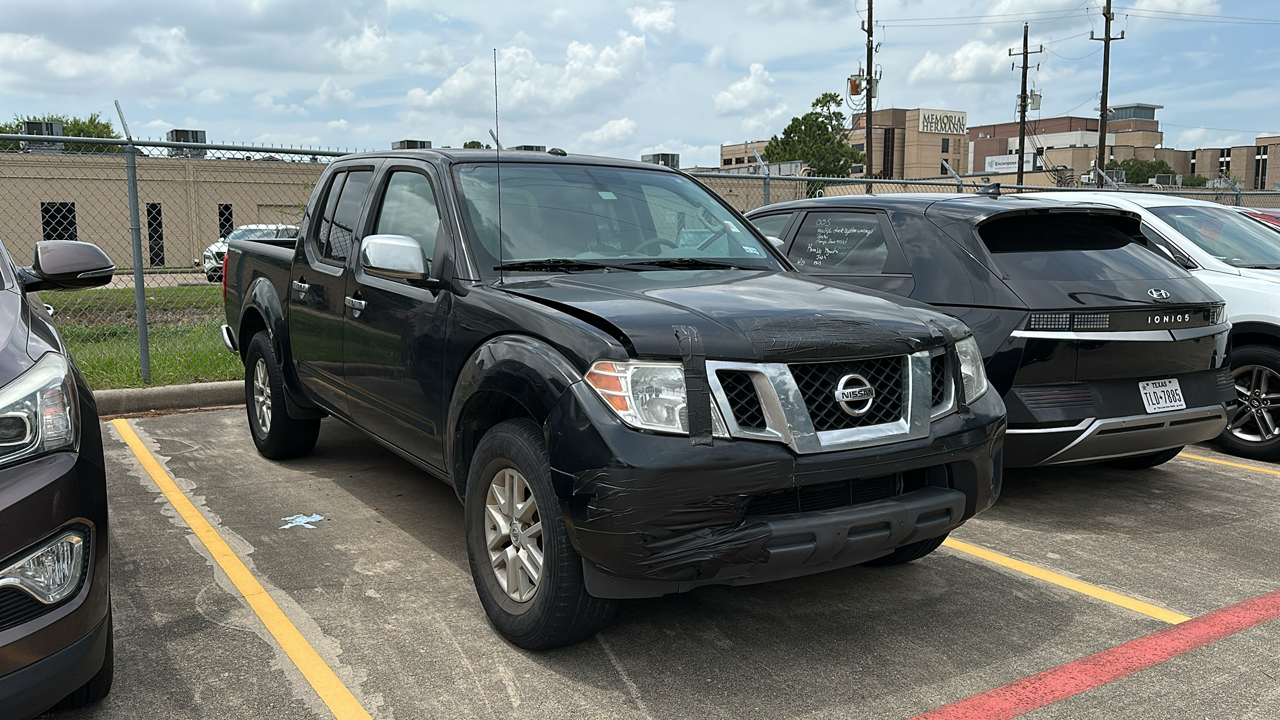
(376,608)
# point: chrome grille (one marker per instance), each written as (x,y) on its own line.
(740,391)
(937,380)
(818,381)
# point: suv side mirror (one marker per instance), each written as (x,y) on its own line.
(67,265)
(396,257)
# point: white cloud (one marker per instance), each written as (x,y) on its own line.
(331,93)
(528,86)
(436,60)
(339,125)
(611,133)
(153,53)
(974,62)
(1204,7)
(1205,138)
(661,19)
(364,52)
(714,57)
(751,91)
(267,101)
(209,96)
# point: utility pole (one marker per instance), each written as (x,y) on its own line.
(1107,17)
(1023,100)
(869,27)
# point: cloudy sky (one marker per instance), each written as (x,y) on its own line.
(618,77)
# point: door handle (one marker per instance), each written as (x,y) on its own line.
(355,305)
(301,288)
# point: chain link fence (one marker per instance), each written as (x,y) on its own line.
(188,197)
(157,322)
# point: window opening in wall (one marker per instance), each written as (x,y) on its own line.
(226,220)
(946,145)
(58,221)
(155,235)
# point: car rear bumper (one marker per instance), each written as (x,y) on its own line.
(1106,419)
(653,514)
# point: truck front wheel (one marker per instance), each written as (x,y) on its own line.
(526,571)
(276,435)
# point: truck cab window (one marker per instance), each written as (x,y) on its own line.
(338,226)
(409,208)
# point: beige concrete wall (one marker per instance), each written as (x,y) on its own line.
(922,157)
(188,191)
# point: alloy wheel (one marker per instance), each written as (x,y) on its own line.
(1257,417)
(262,395)
(513,534)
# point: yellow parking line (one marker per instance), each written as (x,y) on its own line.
(1202,458)
(1049,576)
(324,681)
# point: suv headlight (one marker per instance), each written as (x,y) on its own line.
(52,571)
(37,411)
(648,395)
(971,370)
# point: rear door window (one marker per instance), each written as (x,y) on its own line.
(1063,247)
(845,243)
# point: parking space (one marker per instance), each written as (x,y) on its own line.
(380,595)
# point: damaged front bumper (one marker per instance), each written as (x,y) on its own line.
(654,514)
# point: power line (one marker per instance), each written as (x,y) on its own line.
(1082,57)
(1189,14)
(1201,127)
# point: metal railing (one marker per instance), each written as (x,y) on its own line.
(155,207)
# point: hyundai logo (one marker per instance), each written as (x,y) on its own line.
(1158,294)
(855,395)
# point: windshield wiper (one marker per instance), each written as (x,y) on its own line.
(695,264)
(559,264)
(1272,266)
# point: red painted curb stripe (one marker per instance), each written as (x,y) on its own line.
(1073,678)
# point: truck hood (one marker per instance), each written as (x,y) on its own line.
(741,315)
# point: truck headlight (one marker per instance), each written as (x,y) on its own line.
(648,395)
(971,370)
(37,411)
(52,571)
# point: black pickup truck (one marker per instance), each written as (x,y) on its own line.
(631,391)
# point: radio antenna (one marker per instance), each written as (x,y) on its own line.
(498,162)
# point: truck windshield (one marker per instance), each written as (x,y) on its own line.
(1226,235)
(598,217)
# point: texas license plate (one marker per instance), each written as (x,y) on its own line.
(1162,395)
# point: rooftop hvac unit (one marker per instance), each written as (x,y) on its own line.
(186,136)
(40,127)
(531,148)
(411,145)
(1166,179)
(671,160)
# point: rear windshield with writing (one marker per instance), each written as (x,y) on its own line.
(1066,247)
(845,243)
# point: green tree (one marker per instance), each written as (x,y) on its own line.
(1139,171)
(474,144)
(819,138)
(92,126)
(1194,181)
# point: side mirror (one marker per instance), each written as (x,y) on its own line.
(777,242)
(396,257)
(67,265)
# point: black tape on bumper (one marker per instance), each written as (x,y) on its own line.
(810,337)
(697,389)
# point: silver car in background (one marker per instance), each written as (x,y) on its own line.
(212,259)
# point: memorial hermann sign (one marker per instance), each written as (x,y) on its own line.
(944,121)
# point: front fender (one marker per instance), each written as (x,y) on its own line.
(529,371)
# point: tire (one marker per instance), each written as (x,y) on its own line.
(1254,431)
(99,686)
(542,612)
(1144,462)
(213,277)
(907,553)
(276,435)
